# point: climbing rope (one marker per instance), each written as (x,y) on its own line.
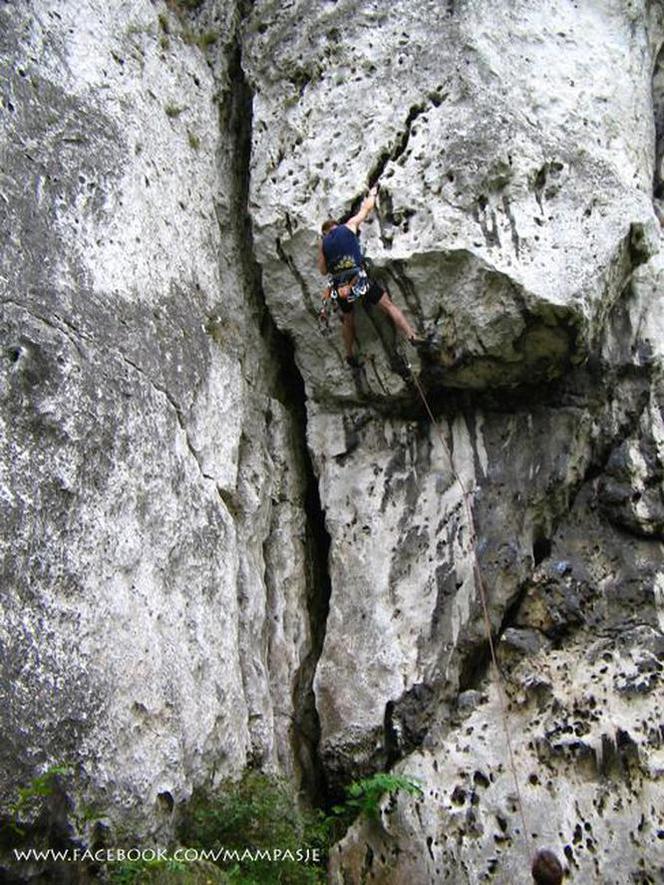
(479,581)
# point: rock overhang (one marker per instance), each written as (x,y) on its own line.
(495,326)
(508,205)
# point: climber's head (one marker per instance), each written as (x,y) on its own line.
(546,868)
(328,225)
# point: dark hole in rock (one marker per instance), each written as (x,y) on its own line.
(458,796)
(541,549)
(166,802)
(480,779)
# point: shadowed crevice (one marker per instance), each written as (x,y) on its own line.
(287,385)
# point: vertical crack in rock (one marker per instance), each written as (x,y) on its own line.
(658,107)
(236,118)
(299,278)
(393,153)
(400,144)
(307,724)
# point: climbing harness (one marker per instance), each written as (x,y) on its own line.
(479,581)
(349,286)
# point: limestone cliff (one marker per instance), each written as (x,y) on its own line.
(157,559)
(224,547)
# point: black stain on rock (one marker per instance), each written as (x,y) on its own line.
(407,721)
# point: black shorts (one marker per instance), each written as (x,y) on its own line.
(371,297)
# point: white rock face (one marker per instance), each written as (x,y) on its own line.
(587,773)
(164,618)
(400,568)
(583,719)
(150,480)
(515,150)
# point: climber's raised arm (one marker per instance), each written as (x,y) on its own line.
(365,209)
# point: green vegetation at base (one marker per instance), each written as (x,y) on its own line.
(140,872)
(262,812)
(33,794)
(244,823)
(364,796)
(259,812)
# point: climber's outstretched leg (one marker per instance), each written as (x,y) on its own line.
(348,335)
(389,307)
(348,331)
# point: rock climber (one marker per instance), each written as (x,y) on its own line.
(340,256)
(546,868)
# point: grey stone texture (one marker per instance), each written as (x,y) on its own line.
(154,551)
(515,147)
(168,397)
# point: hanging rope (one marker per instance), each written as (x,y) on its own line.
(479,581)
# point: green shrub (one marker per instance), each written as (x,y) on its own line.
(258,812)
(166,872)
(133,872)
(30,796)
(261,812)
(364,796)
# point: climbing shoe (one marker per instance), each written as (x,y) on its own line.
(429,343)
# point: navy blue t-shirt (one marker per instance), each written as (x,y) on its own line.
(341,248)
